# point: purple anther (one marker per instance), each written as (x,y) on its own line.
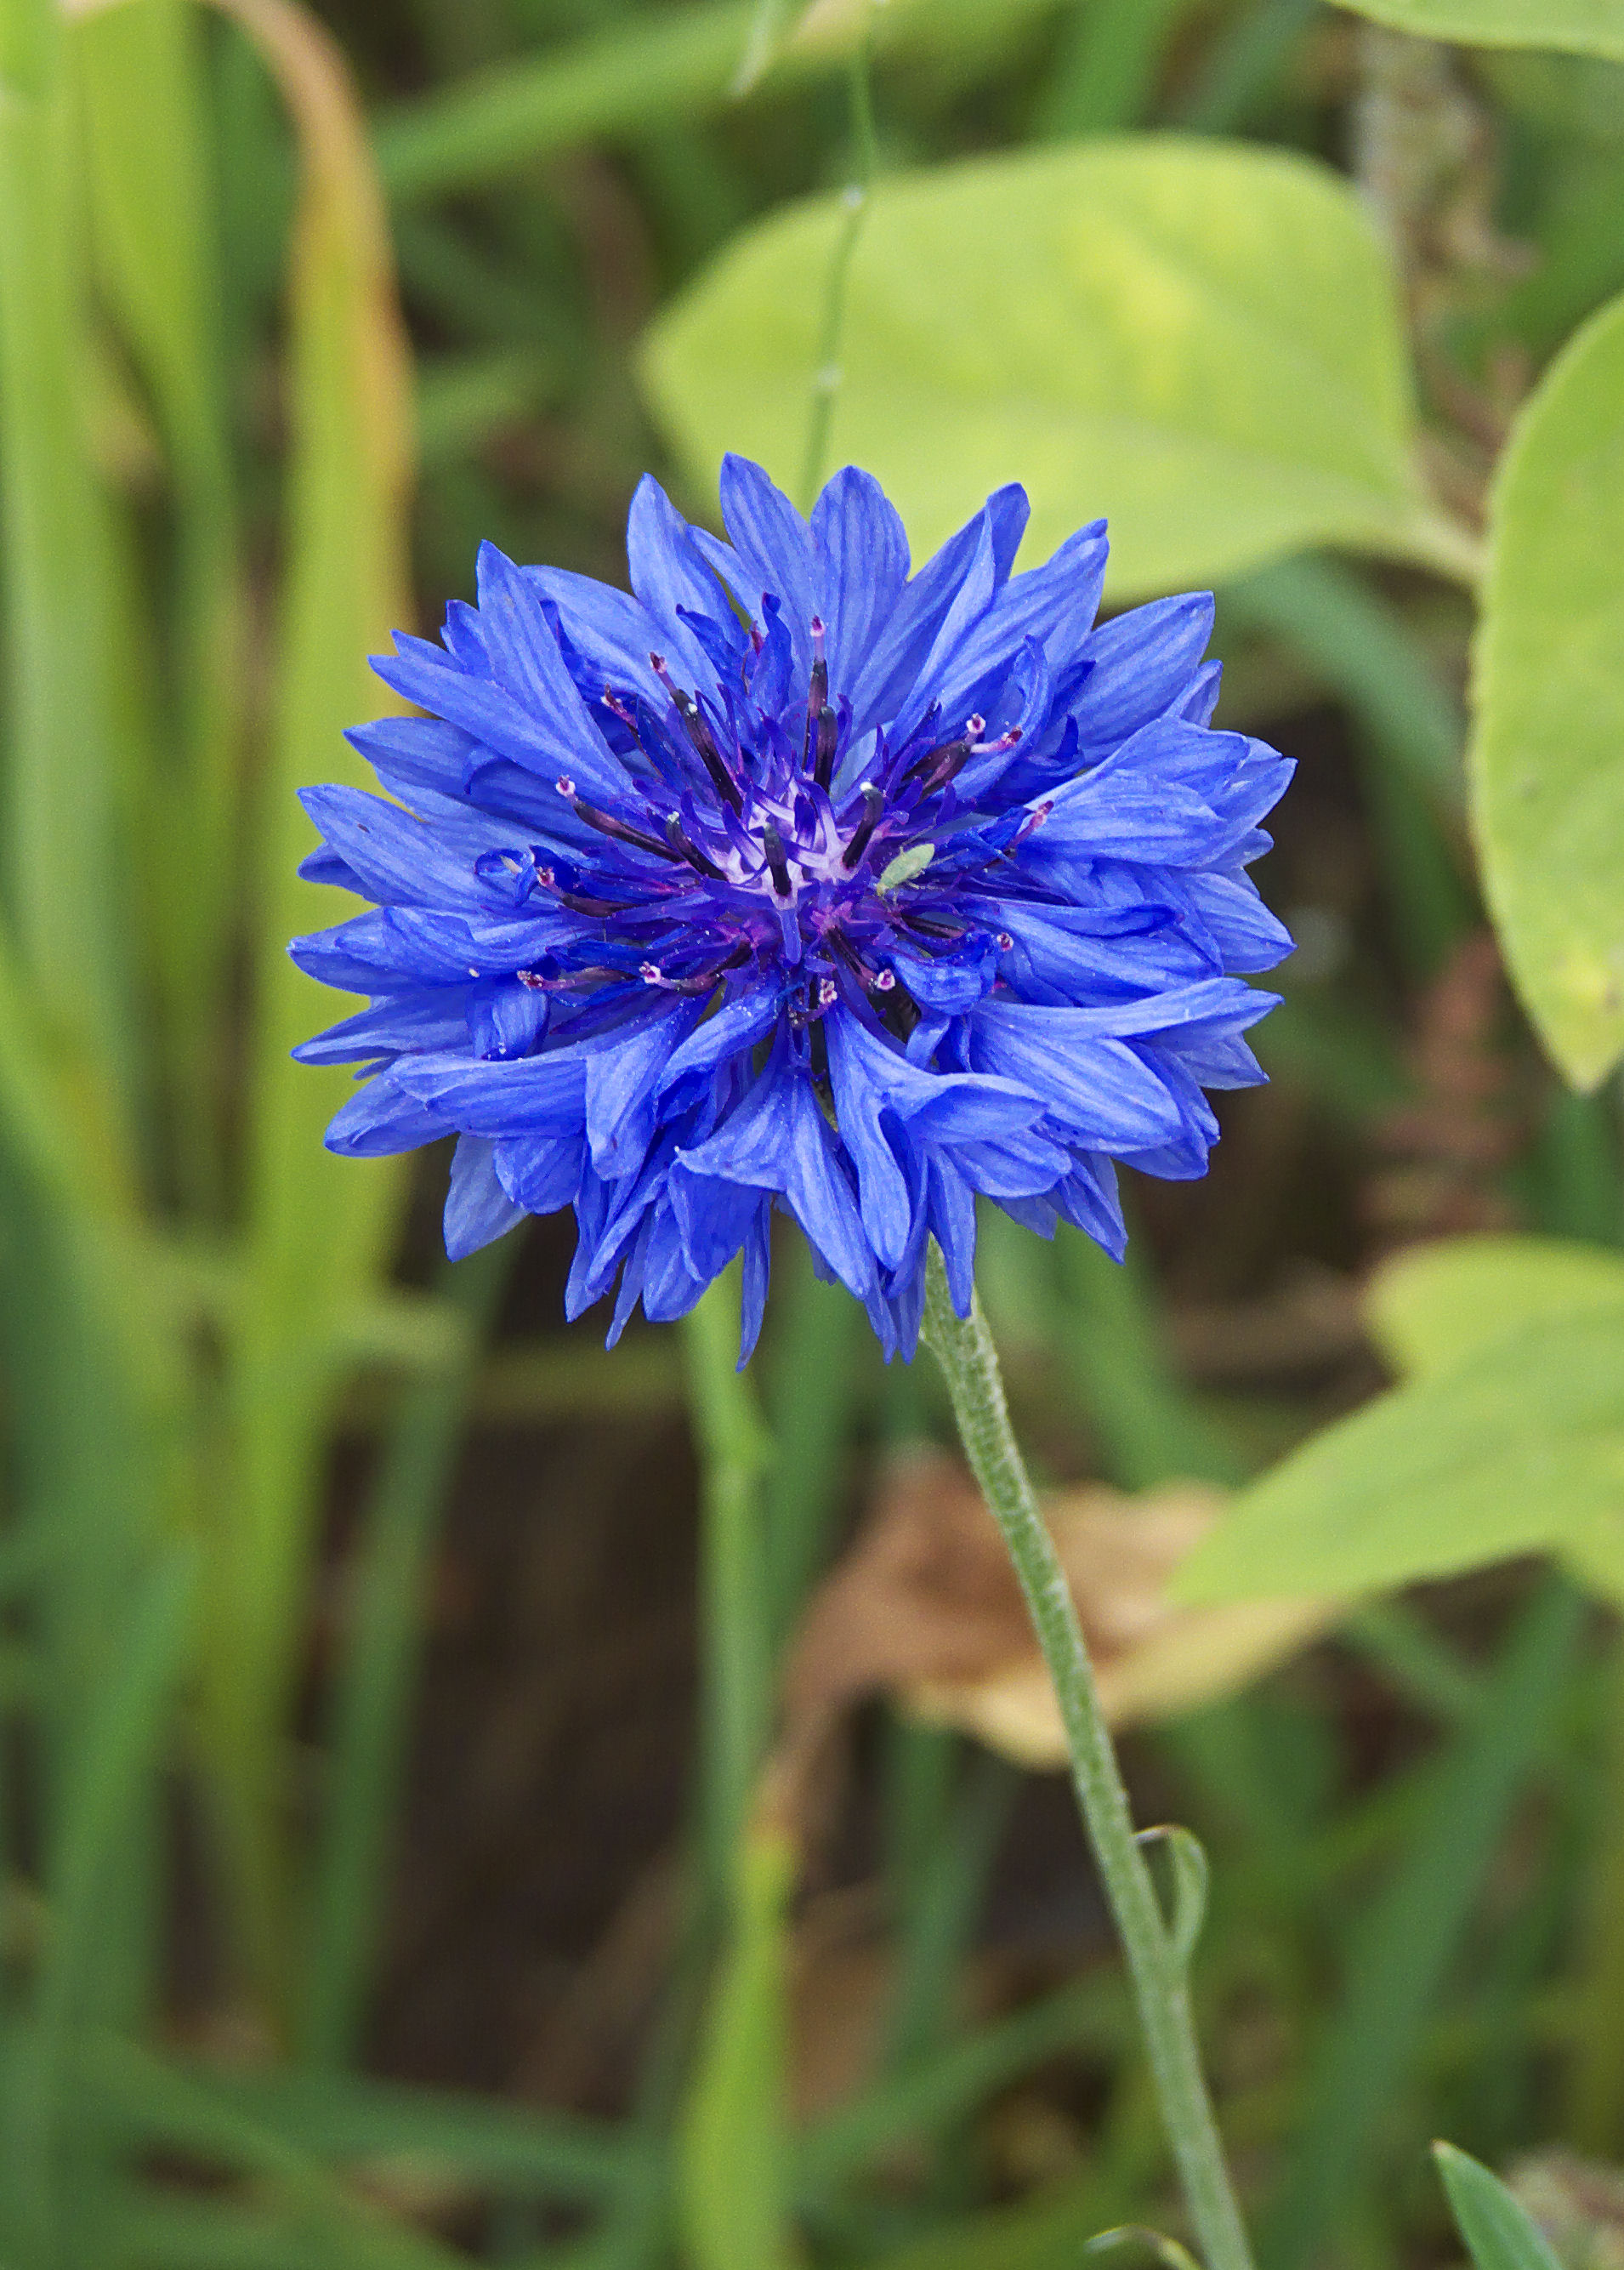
(828,992)
(828,735)
(622,831)
(884,980)
(564,785)
(532,978)
(651,973)
(778,865)
(1006,944)
(683,846)
(873,804)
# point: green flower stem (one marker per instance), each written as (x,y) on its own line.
(854,204)
(963,1346)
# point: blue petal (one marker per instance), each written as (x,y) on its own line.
(398,1022)
(1142,664)
(893,665)
(543,1094)
(668,573)
(1098,1088)
(774,548)
(382,1118)
(623,1080)
(860,569)
(526,660)
(477,1209)
(1055,603)
(541,1173)
(557,742)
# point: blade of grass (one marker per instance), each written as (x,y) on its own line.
(1411,1933)
(377,1683)
(319,1229)
(1104,77)
(60,780)
(813,1376)
(148,176)
(735,1451)
(343,2230)
(1594,2081)
(1150,1429)
(1094,2013)
(62,2175)
(514,2148)
(630,79)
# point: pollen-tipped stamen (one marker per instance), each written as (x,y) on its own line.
(699,736)
(817,697)
(683,846)
(873,804)
(621,830)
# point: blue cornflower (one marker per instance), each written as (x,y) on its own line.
(795,881)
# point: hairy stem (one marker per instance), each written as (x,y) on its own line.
(963,1346)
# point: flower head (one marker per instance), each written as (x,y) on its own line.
(794,881)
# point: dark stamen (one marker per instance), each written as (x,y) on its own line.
(684,848)
(698,734)
(703,980)
(828,733)
(778,865)
(606,824)
(948,753)
(817,694)
(873,804)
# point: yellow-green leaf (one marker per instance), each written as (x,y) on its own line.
(1201,340)
(1546,761)
(1433,1305)
(1594,28)
(1517,1449)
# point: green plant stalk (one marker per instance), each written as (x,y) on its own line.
(1595,2121)
(854,200)
(963,1346)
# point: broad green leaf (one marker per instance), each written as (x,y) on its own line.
(1499,2232)
(1433,1305)
(1594,28)
(1518,1448)
(1547,757)
(1200,340)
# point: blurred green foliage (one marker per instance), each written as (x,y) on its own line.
(297,304)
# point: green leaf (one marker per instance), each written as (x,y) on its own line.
(1499,2233)
(1436,1304)
(1519,1448)
(65,752)
(1547,759)
(1592,28)
(319,1228)
(1202,341)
